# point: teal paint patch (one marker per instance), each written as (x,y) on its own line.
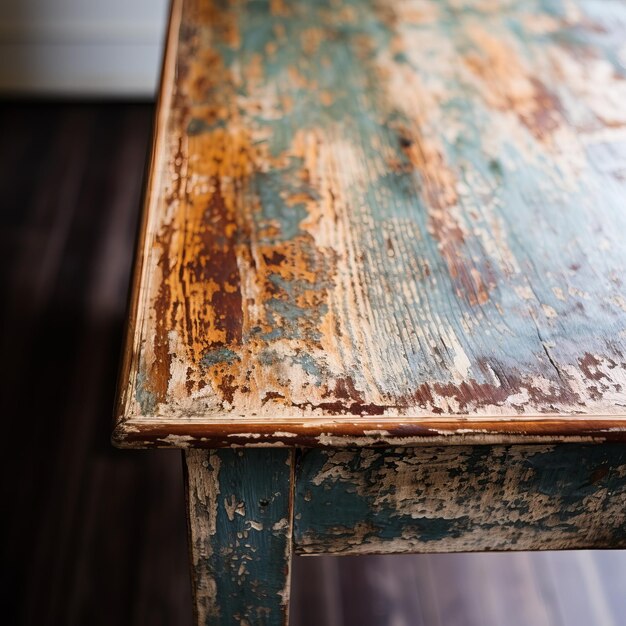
(251,557)
(146,399)
(279,220)
(284,316)
(198,126)
(572,474)
(310,365)
(468,498)
(250,549)
(294,287)
(218,356)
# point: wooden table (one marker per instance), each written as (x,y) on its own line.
(380,291)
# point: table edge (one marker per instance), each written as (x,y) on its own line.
(352,431)
(149,198)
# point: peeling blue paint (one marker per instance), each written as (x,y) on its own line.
(361,492)
(219,355)
(250,550)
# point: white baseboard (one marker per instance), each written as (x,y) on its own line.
(82,58)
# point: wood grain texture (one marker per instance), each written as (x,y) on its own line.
(460,499)
(383,220)
(240,526)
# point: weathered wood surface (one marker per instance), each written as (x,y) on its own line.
(240,525)
(460,498)
(388,221)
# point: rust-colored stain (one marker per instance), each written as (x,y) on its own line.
(396,214)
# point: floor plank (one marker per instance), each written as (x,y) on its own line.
(97,535)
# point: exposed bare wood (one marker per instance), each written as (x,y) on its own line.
(374,220)
(461,498)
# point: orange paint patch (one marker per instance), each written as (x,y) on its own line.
(507,85)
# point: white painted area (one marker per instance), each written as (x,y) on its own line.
(81,47)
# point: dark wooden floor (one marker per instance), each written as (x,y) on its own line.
(93,535)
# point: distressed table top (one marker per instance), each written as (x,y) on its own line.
(383,221)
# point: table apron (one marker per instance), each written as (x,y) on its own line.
(460,498)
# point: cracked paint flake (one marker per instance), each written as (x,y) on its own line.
(240,534)
(411,210)
(461,498)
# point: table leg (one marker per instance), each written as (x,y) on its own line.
(240,514)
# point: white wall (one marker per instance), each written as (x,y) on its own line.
(81,47)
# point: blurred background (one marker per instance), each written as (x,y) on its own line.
(81,48)
(94,535)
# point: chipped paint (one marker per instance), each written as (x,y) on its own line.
(409,210)
(177,441)
(460,498)
(239,506)
(342,433)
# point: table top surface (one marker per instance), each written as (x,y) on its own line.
(373,222)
